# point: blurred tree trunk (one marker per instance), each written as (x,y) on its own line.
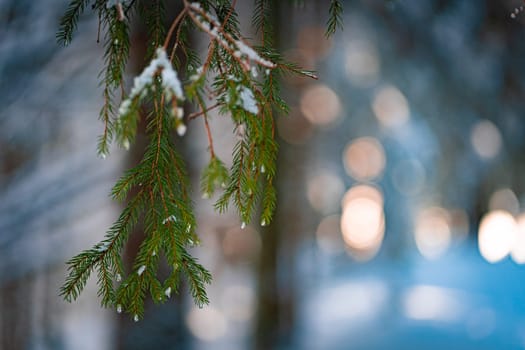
(276,297)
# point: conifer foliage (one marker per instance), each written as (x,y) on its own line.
(236,77)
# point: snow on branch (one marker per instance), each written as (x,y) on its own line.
(237,48)
(170,82)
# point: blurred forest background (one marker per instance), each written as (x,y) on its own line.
(400,219)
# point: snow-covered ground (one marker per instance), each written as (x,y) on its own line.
(456,302)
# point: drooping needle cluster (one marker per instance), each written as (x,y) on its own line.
(237,78)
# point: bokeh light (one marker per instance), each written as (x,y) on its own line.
(237,301)
(328,235)
(241,245)
(497,234)
(320,105)
(312,41)
(424,302)
(362,63)
(364,158)
(362,191)
(364,301)
(432,232)
(390,107)
(486,139)
(363,222)
(324,190)
(207,324)
(504,199)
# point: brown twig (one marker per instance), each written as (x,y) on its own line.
(173,26)
(177,38)
(228,15)
(212,45)
(207,126)
(208,132)
(198,114)
(223,38)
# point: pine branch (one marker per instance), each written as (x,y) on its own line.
(81,266)
(117,48)
(198,277)
(106,116)
(335,19)
(105,281)
(243,82)
(68,22)
(213,176)
(116,44)
(261,21)
(152,13)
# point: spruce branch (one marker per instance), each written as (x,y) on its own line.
(261,21)
(153,13)
(174,24)
(239,80)
(335,19)
(68,22)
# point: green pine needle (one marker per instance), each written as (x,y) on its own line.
(68,22)
(335,19)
